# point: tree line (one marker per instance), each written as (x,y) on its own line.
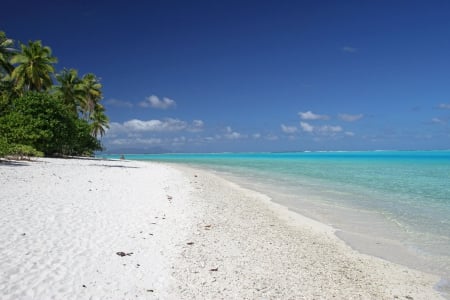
(43,112)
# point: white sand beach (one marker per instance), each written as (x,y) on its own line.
(97,229)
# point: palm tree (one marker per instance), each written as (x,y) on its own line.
(34,67)
(99,121)
(6,52)
(70,89)
(92,94)
(7,91)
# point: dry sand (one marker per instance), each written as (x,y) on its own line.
(184,234)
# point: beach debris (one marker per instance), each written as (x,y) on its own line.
(409,297)
(84,285)
(169,197)
(195,175)
(24,234)
(150,290)
(208,227)
(124,254)
(214,269)
(190,243)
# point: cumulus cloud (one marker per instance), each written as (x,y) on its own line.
(324,129)
(271,137)
(309,115)
(306,127)
(141,126)
(196,126)
(155,125)
(232,135)
(329,129)
(154,102)
(118,103)
(178,141)
(350,118)
(438,121)
(444,106)
(348,49)
(136,141)
(288,129)
(349,133)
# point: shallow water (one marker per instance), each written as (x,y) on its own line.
(392,204)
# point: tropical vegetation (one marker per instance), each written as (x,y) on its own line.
(43,112)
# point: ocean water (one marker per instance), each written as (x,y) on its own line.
(391,204)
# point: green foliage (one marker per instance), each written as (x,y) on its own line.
(41,121)
(70,89)
(24,151)
(4,147)
(37,117)
(17,150)
(34,67)
(85,144)
(6,52)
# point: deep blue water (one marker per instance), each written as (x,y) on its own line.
(398,195)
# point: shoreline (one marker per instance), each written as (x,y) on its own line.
(363,230)
(300,235)
(211,239)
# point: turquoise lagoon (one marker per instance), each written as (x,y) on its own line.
(391,204)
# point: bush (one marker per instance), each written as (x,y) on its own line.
(17,151)
(45,124)
(24,151)
(4,147)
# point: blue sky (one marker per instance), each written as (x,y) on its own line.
(213,76)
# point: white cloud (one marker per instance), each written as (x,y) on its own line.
(271,137)
(118,103)
(350,118)
(444,106)
(438,121)
(309,115)
(139,141)
(178,141)
(155,125)
(134,126)
(197,123)
(197,126)
(329,129)
(256,136)
(324,129)
(154,102)
(306,127)
(349,49)
(232,135)
(288,129)
(349,133)
(114,129)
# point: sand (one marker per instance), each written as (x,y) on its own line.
(96,229)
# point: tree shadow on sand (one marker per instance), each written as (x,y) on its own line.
(114,166)
(14,163)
